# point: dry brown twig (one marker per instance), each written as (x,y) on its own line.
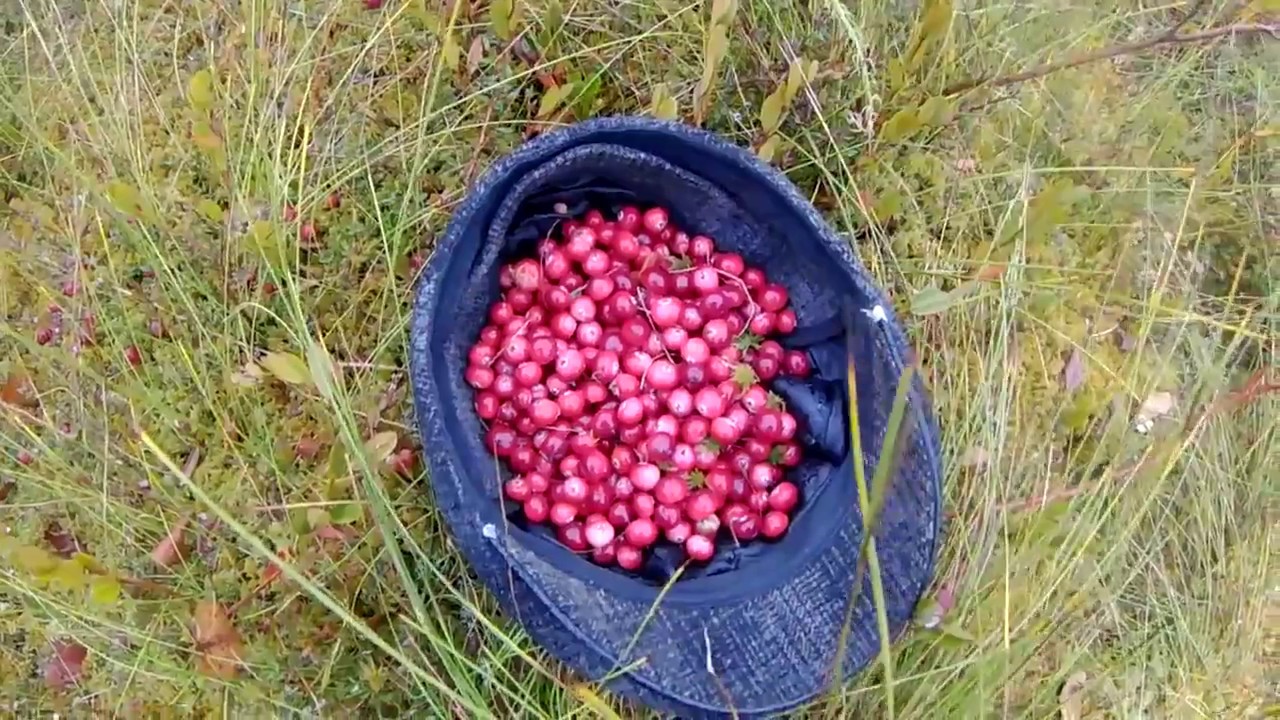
(1172,36)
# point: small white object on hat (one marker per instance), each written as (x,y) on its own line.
(876,314)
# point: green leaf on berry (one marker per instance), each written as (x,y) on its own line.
(697,479)
(747,341)
(775,402)
(711,446)
(743,376)
(681,262)
(775,455)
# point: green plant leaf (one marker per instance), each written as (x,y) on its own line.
(931,300)
(104,590)
(200,90)
(450,52)
(769,148)
(663,105)
(722,11)
(210,210)
(379,447)
(346,513)
(902,125)
(717,44)
(502,16)
(552,99)
(317,518)
(771,110)
(795,79)
(287,367)
(322,370)
(937,111)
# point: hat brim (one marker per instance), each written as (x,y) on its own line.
(728,647)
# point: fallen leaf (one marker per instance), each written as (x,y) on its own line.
(19,391)
(990,273)
(65,665)
(217,642)
(931,300)
(346,513)
(248,375)
(1073,372)
(168,552)
(1157,405)
(380,446)
(1071,697)
(329,532)
(475,55)
(272,573)
(975,456)
(287,367)
(63,542)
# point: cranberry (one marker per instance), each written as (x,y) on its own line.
(670,490)
(536,509)
(699,548)
(774,524)
(628,558)
(796,364)
(646,477)
(562,513)
(641,533)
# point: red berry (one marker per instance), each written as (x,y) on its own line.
(699,548)
(517,489)
(536,509)
(655,220)
(133,356)
(646,477)
(774,524)
(796,364)
(709,403)
(372,4)
(772,298)
(572,536)
(25,457)
(784,497)
(731,263)
(334,201)
(671,490)
(562,513)
(700,505)
(629,558)
(641,533)
(44,336)
(598,531)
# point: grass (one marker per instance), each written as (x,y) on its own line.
(1119,218)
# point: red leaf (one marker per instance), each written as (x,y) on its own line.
(61,541)
(19,391)
(65,665)
(1073,373)
(168,552)
(217,642)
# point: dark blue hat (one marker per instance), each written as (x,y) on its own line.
(757,631)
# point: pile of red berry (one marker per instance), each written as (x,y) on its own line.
(623,378)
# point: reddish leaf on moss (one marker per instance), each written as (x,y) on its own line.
(62,541)
(65,665)
(217,642)
(1073,372)
(19,391)
(168,552)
